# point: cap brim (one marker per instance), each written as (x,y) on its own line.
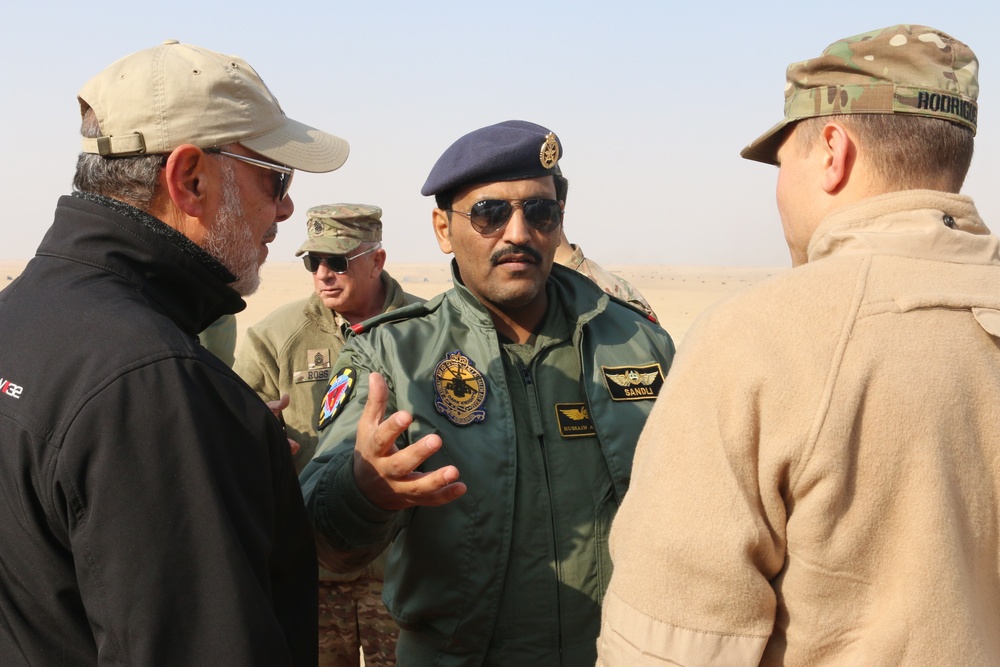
(765,147)
(328,246)
(301,147)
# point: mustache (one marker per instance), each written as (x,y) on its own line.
(515,250)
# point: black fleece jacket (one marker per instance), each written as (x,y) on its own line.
(149,510)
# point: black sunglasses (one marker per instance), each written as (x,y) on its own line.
(336,263)
(284,173)
(489,215)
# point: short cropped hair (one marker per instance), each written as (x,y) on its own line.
(129,179)
(906,152)
(364,246)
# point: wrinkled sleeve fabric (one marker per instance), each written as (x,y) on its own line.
(351,530)
(186,522)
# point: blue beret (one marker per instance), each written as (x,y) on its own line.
(507,151)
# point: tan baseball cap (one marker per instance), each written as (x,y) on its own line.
(154,100)
(337,229)
(909,69)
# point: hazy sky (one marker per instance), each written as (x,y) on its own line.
(652,101)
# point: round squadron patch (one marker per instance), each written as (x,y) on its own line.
(549,154)
(337,393)
(460,390)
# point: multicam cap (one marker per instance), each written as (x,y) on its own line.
(154,100)
(337,229)
(507,151)
(902,69)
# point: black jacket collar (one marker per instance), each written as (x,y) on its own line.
(187,283)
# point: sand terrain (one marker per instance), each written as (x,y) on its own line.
(677,293)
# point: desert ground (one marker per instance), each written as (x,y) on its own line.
(677,293)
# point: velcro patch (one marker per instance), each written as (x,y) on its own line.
(311,376)
(574,420)
(633,383)
(317,366)
(337,394)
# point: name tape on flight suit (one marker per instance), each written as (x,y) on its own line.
(633,383)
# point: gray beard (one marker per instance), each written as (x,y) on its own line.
(231,241)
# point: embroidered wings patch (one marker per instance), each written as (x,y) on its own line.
(633,383)
(574,420)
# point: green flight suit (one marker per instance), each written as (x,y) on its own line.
(543,435)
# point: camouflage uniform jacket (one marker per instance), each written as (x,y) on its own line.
(614,285)
(290,351)
(448,567)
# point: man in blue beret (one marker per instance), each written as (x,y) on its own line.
(489,432)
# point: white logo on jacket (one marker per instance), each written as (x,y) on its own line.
(10,389)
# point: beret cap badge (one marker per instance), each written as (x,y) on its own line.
(549,154)
(507,151)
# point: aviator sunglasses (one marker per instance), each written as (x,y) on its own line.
(489,215)
(284,173)
(336,263)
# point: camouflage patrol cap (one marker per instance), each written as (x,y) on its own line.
(507,151)
(337,229)
(909,69)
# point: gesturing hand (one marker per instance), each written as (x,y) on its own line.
(386,474)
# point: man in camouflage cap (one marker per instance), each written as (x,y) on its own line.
(290,352)
(525,379)
(820,482)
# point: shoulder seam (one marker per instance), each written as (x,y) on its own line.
(829,386)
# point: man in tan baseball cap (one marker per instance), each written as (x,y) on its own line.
(819,483)
(151,512)
(291,351)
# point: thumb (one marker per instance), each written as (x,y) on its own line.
(280,404)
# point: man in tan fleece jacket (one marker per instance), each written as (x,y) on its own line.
(819,482)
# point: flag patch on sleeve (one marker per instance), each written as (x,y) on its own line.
(337,393)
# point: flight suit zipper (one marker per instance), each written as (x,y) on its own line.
(539,431)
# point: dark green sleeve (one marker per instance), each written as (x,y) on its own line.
(351,530)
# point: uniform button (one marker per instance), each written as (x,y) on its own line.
(948,221)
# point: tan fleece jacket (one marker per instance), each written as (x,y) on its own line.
(819,482)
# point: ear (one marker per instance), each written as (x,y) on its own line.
(442,230)
(186,176)
(378,262)
(838,155)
